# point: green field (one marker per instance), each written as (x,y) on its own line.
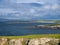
(51,21)
(33,36)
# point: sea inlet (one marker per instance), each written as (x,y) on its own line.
(17,29)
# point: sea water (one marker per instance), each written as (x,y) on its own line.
(17,29)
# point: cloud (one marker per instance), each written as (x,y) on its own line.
(31,1)
(7,10)
(49,1)
(24,9)
(26,1)
(55,6)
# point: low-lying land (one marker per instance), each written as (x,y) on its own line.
(47,26)
(47,21)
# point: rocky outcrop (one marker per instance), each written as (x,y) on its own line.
(44,41)
(3,41)
(6,41)
(34,41)
(15,42)
(47,27)
(43,27)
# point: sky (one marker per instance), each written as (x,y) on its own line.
(30,9)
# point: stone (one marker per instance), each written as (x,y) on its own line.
(3,41)
(44,41)
(15,42)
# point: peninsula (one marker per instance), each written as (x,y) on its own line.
(47,26)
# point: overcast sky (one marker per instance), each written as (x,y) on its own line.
(48,8)
(30,1)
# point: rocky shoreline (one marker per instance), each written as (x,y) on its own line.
(48,27)
(44,27)
(27,41)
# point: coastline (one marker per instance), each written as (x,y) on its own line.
(49,26)
(42,39)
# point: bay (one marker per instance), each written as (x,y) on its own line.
(17,29)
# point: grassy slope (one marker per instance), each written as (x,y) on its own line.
(56,21)
(33,36)
(54,24)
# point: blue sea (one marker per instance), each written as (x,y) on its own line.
(17,29)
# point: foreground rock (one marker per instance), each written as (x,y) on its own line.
(3,41)
(44,41)
(15,42)
(35,41)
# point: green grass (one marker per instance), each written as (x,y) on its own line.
(54,21)
(53,24)
(33,36)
